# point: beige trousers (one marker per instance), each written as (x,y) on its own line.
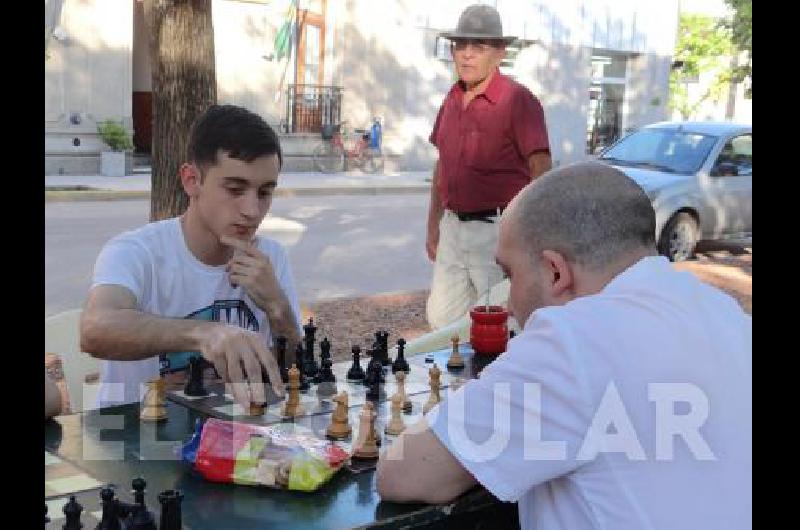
(464,268)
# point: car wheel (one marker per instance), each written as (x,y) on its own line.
(679,237)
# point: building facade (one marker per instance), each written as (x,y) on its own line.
(599,68)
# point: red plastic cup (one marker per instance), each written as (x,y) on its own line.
(488,334)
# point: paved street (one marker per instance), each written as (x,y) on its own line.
(338,245)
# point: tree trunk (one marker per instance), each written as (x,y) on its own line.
(184,86)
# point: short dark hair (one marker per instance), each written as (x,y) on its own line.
(590,212)
(242,134)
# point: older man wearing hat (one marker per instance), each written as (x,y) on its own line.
(492,141)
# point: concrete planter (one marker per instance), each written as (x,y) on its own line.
(115,163)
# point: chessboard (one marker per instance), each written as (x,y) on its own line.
(62,479)
(90,516)
(317,399)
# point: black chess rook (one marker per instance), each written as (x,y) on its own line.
(170,510)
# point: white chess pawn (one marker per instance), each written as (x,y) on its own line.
(396,424)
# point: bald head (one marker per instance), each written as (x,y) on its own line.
(589,212)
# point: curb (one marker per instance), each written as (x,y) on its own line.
(62,194)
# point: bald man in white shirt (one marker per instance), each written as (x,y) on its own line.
(625,403)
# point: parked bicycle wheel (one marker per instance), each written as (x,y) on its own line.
(373,160)
(329,158)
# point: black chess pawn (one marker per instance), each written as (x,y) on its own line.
(46,519)
(512,334)
(400,363)
(72,512)
(280,353)
(111,515)
(299,356)
(194,385)
(140,517)
(356,372)
(170,510)
(310,332)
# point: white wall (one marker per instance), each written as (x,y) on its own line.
(88,73)
(244,34)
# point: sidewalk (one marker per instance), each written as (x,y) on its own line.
(96,187)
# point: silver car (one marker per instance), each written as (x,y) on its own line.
(699,176)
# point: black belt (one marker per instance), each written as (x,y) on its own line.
(485,215)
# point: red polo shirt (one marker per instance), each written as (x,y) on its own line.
(484,149)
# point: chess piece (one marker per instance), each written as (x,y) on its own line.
(365,446)
(374,388)
(46,519)
(512,334)
(356,373)
(292,407)
(310,367)
(400,377)
(194,384)
(400,362)
(72,512)
(111,515)
(280,351)
(326,373)
(140,517)
(154,406)
(383,347)
(170,510)
(455,362)
(310,332)
(374,370)
(327,379)
(324,349)
(434,397)
(396,424)
(299,355)
(340,423)
(255,409)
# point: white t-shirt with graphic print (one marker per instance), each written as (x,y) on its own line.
(154,263)
(577,420)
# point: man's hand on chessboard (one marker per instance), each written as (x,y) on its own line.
(238,355)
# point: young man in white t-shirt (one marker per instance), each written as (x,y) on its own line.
(625,403)
(201,282)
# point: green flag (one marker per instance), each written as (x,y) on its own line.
(283,39)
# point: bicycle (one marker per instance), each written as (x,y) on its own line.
(337,148)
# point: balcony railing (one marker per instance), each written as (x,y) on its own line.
(310,107)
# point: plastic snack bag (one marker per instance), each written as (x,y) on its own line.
(276,456)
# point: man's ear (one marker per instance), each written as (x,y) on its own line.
(190,179)
(559,277)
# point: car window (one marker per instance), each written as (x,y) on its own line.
(671,150)
(738,151)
